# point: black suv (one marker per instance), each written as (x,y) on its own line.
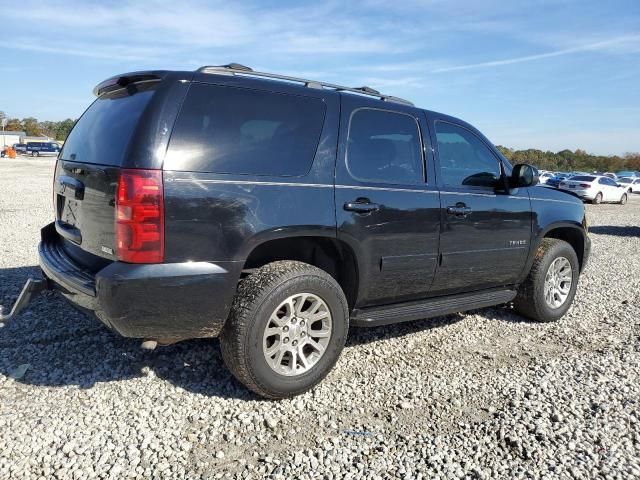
(274,212)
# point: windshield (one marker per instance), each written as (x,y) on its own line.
(625,180)
(104,131)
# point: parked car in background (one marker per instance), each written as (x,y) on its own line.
(557,178)
(628,173)
(611,175)
(43,148)
(20,148)
(632,184)
(545,176)
(595,188)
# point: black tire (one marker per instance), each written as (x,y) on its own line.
(598,199)
(258,296)
(623,199)
(530,301)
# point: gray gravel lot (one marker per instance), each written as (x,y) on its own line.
(481,395)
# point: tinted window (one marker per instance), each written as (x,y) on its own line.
(384,147)
(464,160)
(241,131)
(104,131)
(607,181)
(583,178)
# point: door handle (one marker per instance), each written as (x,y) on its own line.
(459,211)
(361,206)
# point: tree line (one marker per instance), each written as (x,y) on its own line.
(568,161)
(34,128)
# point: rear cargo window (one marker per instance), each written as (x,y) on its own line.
(104,131)
(240,131)
(583,178)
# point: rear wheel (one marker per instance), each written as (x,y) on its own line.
(550,287)
(623,199)
(598,198)
(287,327)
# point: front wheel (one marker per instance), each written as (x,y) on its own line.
(550,287)
(623,199)
(286,329)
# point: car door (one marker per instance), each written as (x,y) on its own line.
(607,186)
(387,203)
(485,235)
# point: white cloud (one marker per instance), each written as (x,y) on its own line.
(616,44)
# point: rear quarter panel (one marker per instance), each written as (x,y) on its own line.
(221,218)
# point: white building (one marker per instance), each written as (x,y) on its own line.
(9,138)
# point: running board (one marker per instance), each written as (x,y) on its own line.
(432,307)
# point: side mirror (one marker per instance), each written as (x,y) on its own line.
(523,175)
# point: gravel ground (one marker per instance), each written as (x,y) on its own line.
(480,395)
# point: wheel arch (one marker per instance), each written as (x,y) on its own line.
(330,254)
(571,233)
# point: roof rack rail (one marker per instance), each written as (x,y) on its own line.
(238,69)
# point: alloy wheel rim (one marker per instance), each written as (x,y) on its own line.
(557,282)
(297,334)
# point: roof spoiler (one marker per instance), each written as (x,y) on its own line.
(121,81)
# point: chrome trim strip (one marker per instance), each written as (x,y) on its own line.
(253,182)
(553,200)
(386,189)
(355,187)
(295,184)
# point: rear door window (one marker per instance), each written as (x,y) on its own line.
(241,131)
(104,131)
(384,147)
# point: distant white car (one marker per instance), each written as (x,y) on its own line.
(596,188)
(632,184)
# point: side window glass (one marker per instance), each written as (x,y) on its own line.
(240,131)
(384,147)
(464,160)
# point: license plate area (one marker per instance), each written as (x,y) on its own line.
(69,211)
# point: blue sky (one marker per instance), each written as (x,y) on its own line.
(535,74)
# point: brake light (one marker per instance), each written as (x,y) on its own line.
(562,183)
(140,216)
(585,185)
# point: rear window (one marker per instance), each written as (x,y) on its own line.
(241,131)
(583,178)
(104,131)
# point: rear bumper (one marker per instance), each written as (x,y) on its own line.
(160,301)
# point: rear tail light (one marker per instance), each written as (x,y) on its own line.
(585,185)
(562,183)
(140,216)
